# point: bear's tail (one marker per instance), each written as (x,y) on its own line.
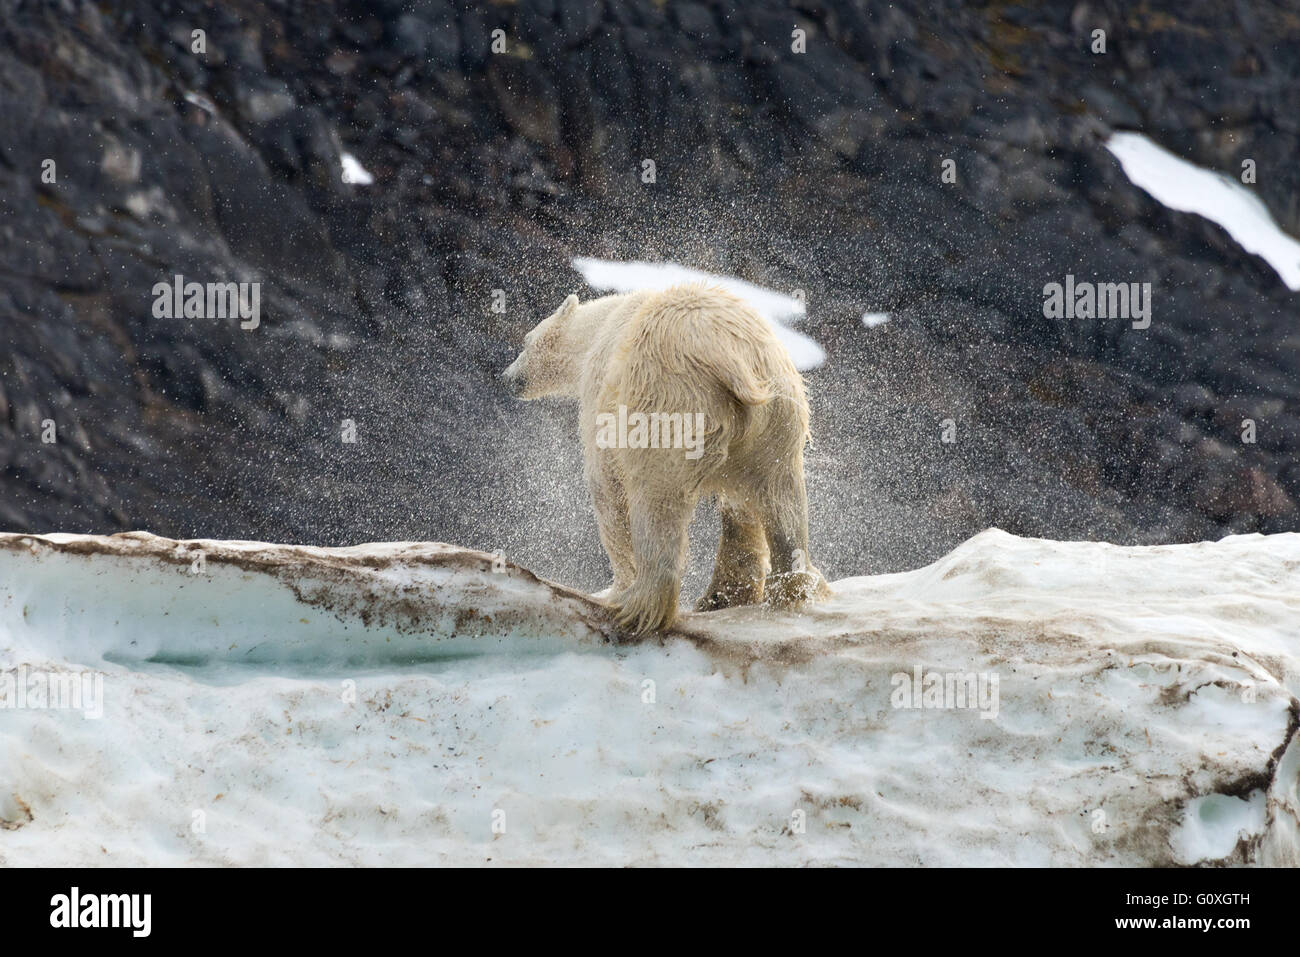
(738,378)
(750,391)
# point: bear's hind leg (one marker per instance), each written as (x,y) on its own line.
(784,506)
(742,561)
(659,524)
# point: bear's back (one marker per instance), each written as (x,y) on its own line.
(686,325)
(695,309)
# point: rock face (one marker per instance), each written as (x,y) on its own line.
(819,171)
(1018,702)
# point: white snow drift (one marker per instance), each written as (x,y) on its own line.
(422,704)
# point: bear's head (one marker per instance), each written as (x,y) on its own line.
(550,361)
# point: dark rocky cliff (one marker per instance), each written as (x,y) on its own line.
(817,171)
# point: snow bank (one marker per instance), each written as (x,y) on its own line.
(776,307)
(408,703)
(1188,188)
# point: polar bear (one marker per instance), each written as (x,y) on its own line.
(683,393)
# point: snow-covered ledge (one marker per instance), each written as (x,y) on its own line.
(402,703)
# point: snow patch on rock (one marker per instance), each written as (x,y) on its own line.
(354,174)
(1188,188)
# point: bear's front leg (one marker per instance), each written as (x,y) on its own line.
(615,531)
(742,561)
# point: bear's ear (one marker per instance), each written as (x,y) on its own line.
(569,304)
